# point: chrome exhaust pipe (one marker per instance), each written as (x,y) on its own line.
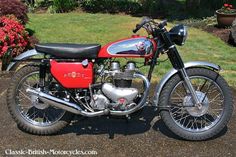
(62,104)
(74,108)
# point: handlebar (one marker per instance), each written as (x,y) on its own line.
(137,28)
(162,24)
(146,20)
(140,25)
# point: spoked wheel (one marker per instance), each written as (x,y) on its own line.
(197,122)
(31,114)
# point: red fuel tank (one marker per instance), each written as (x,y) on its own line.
(72,74)
(135,46)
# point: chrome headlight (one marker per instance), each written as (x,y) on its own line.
(178,34)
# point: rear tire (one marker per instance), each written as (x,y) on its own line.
(19,118)
(210,132)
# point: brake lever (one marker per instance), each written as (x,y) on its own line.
(148,28)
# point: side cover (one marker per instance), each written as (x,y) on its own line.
(72,74)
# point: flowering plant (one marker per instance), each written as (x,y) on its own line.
(12,35)
(227,9)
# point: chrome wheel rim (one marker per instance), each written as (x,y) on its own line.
(191,118)
(31,108)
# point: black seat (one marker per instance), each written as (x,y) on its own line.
(88,51)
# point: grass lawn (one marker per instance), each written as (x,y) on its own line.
(104,28)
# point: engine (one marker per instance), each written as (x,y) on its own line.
(116,93)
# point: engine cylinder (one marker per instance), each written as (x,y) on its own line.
(115,66)
(130,66)
(124,79)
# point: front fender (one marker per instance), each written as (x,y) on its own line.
(172,72)
(24,56)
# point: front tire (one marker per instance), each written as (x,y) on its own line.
(40,119)
(191,123)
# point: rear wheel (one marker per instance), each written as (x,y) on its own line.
(31,114)
(189,121)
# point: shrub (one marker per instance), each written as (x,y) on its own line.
(111,6)
(13,35)
(62,6)
(32,41)
(38,5)
(151,7)
(14,7)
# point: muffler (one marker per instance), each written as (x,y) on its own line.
(62,104)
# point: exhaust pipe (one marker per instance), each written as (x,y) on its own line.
(62,104)
(74,108)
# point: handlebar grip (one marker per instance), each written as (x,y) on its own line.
(137,28)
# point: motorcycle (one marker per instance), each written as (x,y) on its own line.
(58,81)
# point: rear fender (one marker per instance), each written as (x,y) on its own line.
(172,72)
(12,66)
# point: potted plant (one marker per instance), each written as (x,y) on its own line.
(226,15)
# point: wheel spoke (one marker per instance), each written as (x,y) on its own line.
(215,97)
(183,118)
(31,111)
(26,96)
(202,86)
(210,95)
(211,112)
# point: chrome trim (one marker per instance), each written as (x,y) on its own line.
(190,86)
(172,72)
(74,108)
(62,104)
(171,47)
(134,46)
(25,55)
(185,35)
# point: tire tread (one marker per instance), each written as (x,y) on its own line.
(165,115)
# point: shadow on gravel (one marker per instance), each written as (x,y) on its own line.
(160,126)
(138,124)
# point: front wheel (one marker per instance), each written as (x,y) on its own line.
(188,121)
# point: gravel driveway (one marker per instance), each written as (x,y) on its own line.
(146,136)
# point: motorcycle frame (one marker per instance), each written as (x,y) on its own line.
(162,37)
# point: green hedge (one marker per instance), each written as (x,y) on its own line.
(62,6)
(174,9)
(111,6)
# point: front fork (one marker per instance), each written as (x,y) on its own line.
(178,64)
(190,87)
